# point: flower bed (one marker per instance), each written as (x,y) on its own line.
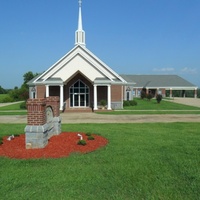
(58,146)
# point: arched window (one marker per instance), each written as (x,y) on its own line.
(79,94)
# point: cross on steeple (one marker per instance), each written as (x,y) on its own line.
(80,33)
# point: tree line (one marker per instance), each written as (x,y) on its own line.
(18,94)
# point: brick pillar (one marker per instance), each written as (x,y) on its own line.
(38,129)
(36,111)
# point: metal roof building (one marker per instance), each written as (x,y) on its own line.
(155,83)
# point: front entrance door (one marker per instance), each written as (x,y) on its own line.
(79,94)
(79,100)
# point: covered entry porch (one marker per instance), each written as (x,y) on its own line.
(80,94)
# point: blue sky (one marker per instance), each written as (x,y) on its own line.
(131,36)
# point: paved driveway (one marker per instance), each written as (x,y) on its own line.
(188,101)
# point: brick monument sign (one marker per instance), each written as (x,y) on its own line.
(43,121)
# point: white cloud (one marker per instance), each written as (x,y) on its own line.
(187,70)
(168,69)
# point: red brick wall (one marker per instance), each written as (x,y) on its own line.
(36,109)
(116,93)
(41,91)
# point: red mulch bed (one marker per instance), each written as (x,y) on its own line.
(58,146)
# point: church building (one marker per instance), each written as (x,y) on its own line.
(83,81)
(80,78)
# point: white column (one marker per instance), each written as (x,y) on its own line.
(109,98)
(170,92)
(47,90)
(195,92)
(61,97)
(95,97)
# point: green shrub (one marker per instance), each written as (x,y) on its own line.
(90,137)
(16,135)
(82,142)
(149,96)
(126,103)
(103,102)
(129,103)
(6,99)
(88,134)
(143,94)
(133,103)
(158,98)
(23,105)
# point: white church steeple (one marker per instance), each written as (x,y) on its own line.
(80,33)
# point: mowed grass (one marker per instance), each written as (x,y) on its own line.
(143,107)
(141,161)
(13,109)
(144,104)
(14,106)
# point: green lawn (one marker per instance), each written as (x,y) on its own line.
(141,161)
(12,107)
(144,104)
(143,107)
(152,107)
(148,112)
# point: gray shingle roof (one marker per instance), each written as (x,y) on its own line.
(157,81)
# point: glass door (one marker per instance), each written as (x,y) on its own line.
(79,94)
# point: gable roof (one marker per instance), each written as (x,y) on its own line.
(159,81)
(82,60)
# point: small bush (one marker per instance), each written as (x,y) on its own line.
(126,103)
(129,103)
(23,105)
(149,96)
(82,142)
(90,137)
(88,134)
(103,102)
(158,98)
(133,103)
(16,135)
(143,94)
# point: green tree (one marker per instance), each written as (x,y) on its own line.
(2,91)
(28,76)
(22,93)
